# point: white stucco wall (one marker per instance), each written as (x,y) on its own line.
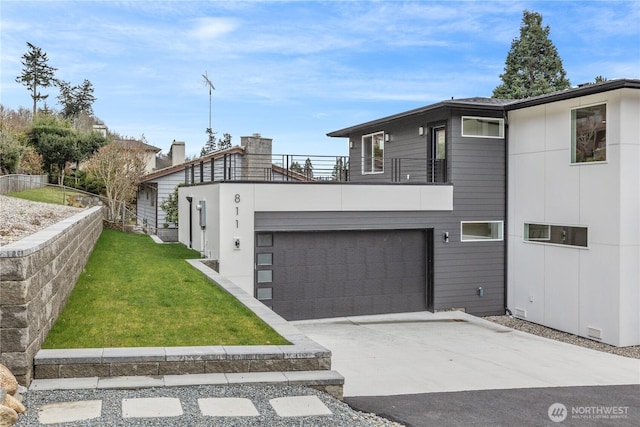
(231,211)
(564,287)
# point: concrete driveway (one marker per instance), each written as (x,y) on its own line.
(426,352)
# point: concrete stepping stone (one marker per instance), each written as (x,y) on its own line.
(299,406)
(68,412)
(151,407)
(227,407)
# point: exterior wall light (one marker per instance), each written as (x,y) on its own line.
(421,130)
(387,137)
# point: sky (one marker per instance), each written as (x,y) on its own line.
(294,70)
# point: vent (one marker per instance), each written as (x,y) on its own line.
(520,312)
(594,333)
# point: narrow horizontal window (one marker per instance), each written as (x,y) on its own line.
(556,234)
(481,231)
(264,240)
(537,232)
(264,294)
(265,259)
(265,276)
(483,127)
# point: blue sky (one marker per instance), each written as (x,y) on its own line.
(293,71)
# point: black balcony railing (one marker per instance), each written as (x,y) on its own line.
(316,169)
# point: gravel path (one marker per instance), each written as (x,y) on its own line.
(554,334)
(20,218)
(343,415)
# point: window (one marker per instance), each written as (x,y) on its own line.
(373,153)
(439,142)
(265,259)
(537,232)
(556,234)
(265,276)
(481,231)
(589,134)
(482,127)
(264,240)
(264,294)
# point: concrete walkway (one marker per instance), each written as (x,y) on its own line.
(452,351)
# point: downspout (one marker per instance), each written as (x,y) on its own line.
(190,200)
(506,208)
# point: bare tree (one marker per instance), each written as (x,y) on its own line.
(120,167)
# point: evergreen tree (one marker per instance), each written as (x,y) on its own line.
(225,142)
(170,207)
(308,168)
(213,145)
(210,146)
(36,73)
(339,172)
(58,143)
(533,66)
(295,167)
(76,99)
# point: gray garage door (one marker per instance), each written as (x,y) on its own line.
(309,275)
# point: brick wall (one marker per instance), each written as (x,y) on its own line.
(37,274)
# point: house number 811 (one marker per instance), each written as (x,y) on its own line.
(237,200)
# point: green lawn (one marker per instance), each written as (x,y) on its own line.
(136,293)
(47,194)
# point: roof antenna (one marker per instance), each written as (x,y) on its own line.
(211,87)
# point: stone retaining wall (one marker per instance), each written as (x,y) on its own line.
(37,274)
(154,361)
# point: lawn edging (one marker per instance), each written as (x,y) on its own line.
(302,355)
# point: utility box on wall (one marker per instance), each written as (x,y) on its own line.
(202,208)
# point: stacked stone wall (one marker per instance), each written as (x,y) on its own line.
(37,275)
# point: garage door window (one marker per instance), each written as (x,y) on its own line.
(265,276)
(264,294)
(265,259)
(264,240)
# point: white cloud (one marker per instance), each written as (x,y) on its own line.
(208,29)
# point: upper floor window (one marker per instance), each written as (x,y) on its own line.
(482,127)
(373,153)
(589,134)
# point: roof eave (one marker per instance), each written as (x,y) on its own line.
(589,89)
(344,133)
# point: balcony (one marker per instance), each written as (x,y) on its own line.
(239,166)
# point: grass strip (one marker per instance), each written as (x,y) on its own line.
(136,293)
(46,194)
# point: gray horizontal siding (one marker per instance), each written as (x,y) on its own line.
(459,268)
(476,168)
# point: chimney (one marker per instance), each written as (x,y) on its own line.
(257,159)
(101,129)
(177,152)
